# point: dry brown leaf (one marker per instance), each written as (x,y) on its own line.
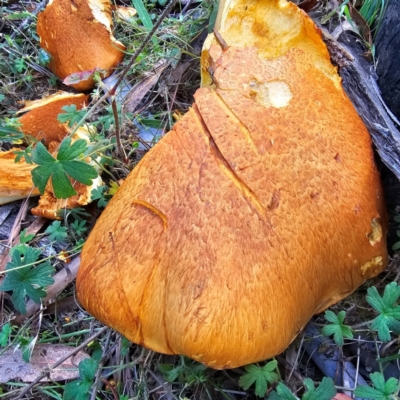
(136,95)
(125,13)
(12,366)
(61,280)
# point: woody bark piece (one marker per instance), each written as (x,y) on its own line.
(360,84)
(388,56)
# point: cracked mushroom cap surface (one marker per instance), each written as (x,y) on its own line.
(40,116)
(15,178)
(261,207)
(78,36)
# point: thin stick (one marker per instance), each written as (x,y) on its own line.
(59,362)
(143,45)
(117,133)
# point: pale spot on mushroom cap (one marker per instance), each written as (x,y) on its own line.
(372,267)
(271,94)
(375,236)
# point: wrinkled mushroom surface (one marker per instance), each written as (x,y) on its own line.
(40,118)
(260,208)
(78,36)
(15,178)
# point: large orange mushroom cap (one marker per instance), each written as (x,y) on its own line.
(40,118)
(78,36)
(262,206)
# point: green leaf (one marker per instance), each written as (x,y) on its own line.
(169,373)
(9,133)
(5,334)
(63,168)
(28,281)
(381,391)
(24,238)
(282,393)
(56,232)
(71,115)
(143,14)
(61,184)
(68,151)
(44,57)
(79,389)
(81,171)
(24,154)
(100,194)
(88,369)
(20,65)
(79,227)
(41,156)
(261,376)
(325,391)
(389,312)
(337,328)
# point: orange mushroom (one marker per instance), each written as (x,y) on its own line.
(15,178)
(40,118)
(262,206)
(50,206)
(78,36)
(40,121)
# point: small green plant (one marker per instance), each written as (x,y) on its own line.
(102,195)
(260,376)
(20,65)
(5,334)
(56,232)
(337,327)
(382,390)
(67,164)
(325,391)
(187,371)
(24,279)
(25,237)
(373,12)
(79,227)
(389,312)
(80,388)
(9,133)
(71,115)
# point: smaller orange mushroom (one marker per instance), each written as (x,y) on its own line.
(40,118)
(15,178)
(78,36)
(49,205)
